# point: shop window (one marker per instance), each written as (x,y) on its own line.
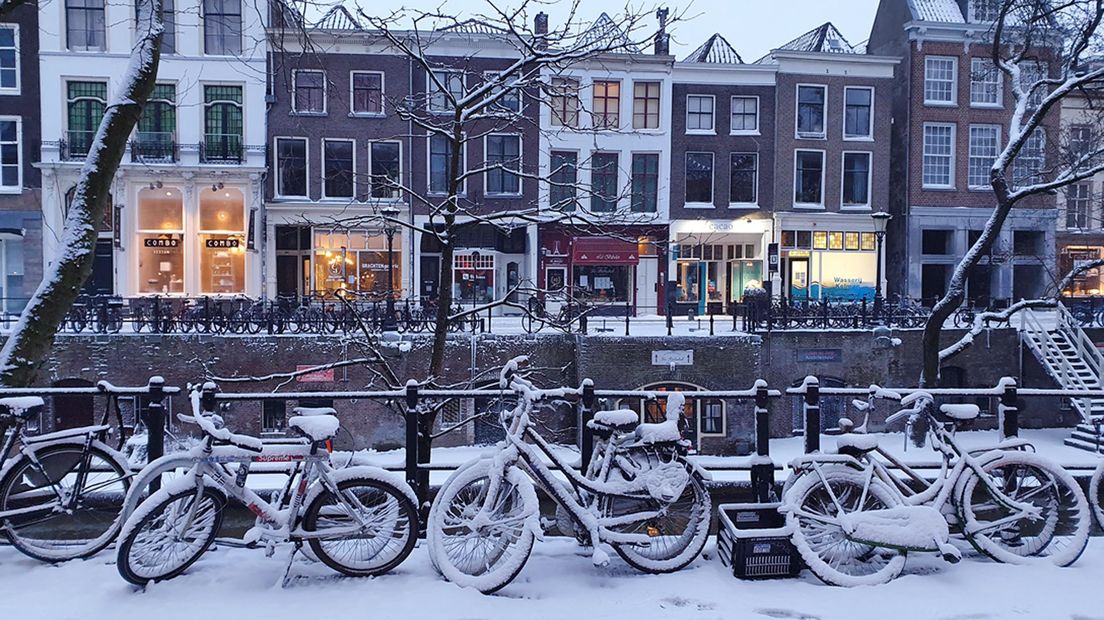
(367,92)
(835,240)
(933,281)
(804,239)
(357,260)
(811,101)
(645,182)
(856,179)
(936,242)
(820,240)
(338,164)
(1029,243)
(386,163)
(563,180)
(972,237)
(603,283)
(867,241)
(744,179)
(603,182)
(789,239)
(979,286)
(160,241)
(473,277)
(851,241)
(1028,281)
(273,416)
(809,177)
(699,178)
(222,241)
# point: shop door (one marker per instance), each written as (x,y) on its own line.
(431,276)
(101,280)
(513,277)
(647,278)
(798,276)
(555,278)
(290,272)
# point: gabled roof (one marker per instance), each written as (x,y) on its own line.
(607,34)
(715,50)
(825,38)
(936,11)
(473,26)
(338,18)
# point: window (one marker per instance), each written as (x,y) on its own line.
(440,152)
(646,105)
(367,90)
(338,164)
(811,101)
(809,177)
(160,217)
(563,177)
(168,21)
(699,113)
(940,79)
(504,152)
(745,115)
(565,102)
(510,101)
(607,104)
(1027,168)
(712,417)
(222,27)
(603,182)
(858,119)
(1080,140)
(156,137)
(9,58)
(1028,242)
(273,413)
(938,166)
(984,10)
(291,167)
(699,178)
(441,100)
(86,103)
(309,92)
(744,180)
(645,182)
(1030,73)
(984,148)
(10,169)
(856,180)
(222,140)
(935,242)
(84,25)
(221,241)
(386,169)
(1078,198)
(985,83)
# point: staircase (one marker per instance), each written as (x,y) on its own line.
(1073,361)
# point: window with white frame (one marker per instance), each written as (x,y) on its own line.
(440,153)
(222,27)
(510,101)
(858,116)
(645,182)
(984,10)
(940,79)
(606,112)
(310,92)
(367,92)
(809,177)
(563,180)
(1080,140)
(85,27)
(291,167)
(938,165)
(699,113)
(699,178)
(338,165)
(9,58)
(983,150)
(168,22)
(646,105)
(604,172)
(1078,205)
(745,115)
(744,179)
(386,169)
(503,157)
(985,83)
(1031,72)
(712,417)
(856,180)
(1027,169)
(811,104)
(451,88)
(11,171)
(565,102)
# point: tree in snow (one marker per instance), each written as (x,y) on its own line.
(1044,50)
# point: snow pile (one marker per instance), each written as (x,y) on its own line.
(317,427)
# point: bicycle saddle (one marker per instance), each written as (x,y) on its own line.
(620,420)
(309,411)
(315,427)
(22,406)
(856,444)
(960,411)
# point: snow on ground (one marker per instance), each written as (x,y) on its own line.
(558,582)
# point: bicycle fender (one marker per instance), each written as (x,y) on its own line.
(115,455)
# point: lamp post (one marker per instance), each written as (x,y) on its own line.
(881,220)
(390,228)
(475,277)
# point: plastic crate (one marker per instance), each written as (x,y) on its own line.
(754,541)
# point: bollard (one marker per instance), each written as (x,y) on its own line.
(762,467)
(812,415)
(1009,419)
(586,414)
(628,310)
(670,319)
(582,323)
(155,425)
(710,324)
(412,451)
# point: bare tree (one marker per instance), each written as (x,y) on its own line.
(1043,49)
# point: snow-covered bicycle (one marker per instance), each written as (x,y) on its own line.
(640,496)
(360,521)
(853,520)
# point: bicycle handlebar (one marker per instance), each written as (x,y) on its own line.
(204,422)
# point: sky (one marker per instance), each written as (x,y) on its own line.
(753,27)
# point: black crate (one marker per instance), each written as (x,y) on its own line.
(753,539)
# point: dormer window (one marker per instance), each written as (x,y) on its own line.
(984,10)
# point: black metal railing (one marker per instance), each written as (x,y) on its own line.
(154,147)
(76,144)
(221,149)
(783,313)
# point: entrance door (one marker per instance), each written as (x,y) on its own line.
(72,411)
(431,276)
(290,272)
(101,281)
(647,278)
(513,277)
(555,278)
(799,277)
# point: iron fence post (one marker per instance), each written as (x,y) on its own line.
(155,424)
(670,319)
(1009,419)
(586,414)
(812,414)
(762,467)
(628,310)
(413,477)
(710,324)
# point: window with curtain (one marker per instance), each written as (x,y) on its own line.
(503,158)
(222,27)
(85,25)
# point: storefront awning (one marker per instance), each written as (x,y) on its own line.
(603,251)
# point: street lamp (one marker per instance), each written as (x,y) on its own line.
(881,221)
(475,277)
(390,227)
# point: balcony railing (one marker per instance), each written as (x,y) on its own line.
(221,148)
(77,143)
(154,147)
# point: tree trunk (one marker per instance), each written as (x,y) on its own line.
(28,345)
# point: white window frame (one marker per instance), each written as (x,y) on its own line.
(620,106)
(1088,186)
(712,113)
(823,135)
(954,81)
(659,112)
(322,178)
(743,132)
(699,404)
(295,88)
(431,90)
(999,103)
(554,119)
(1018,161)
(743,205)
(970,153)
(923,153)
(823,188)
(18,187)
(18,88)
(517,91)
(712,181)
(429,170)
(869,137)
(371,162)
(383,91)
(486,175)
(869,181)
(276,164)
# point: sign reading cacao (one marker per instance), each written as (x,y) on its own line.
(161,243)
(223,243)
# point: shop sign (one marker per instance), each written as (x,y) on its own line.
(116,226)
(223,243)
(250,244)
(812,356)
(772,257)
(161,243)
(719,226)
(673,358)
(326,375)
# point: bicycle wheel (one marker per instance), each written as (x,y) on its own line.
(1096,494)
(676,536)
(488,554)
(387,519)
(814,518)
(156,544)
(1057,530)
(79,494)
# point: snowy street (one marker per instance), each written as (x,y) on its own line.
(558,582)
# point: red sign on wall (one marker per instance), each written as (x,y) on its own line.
(318,376)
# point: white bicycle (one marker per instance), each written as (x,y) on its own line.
(360,521)
(640,496)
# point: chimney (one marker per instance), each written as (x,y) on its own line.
(540,29)
(662,39)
